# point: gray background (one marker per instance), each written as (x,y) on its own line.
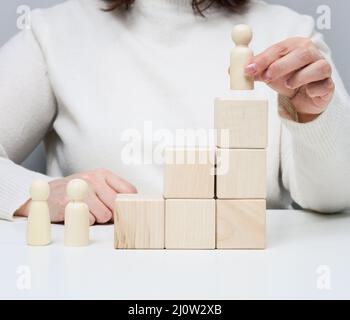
(334,37)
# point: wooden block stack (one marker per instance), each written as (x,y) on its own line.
(189,178)
(212,198)
(184,219)
(241,173)
(242,131)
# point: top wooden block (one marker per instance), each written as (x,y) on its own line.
(241,124)
(189,173)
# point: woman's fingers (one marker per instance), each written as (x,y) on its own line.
(292,62)
(107,190)
(92,219)
(101,213)
(323,102)
(317,71)
(304,104)
(320,88)
(106,194)
(119,184)
(260,63)
(103,188)
(296,68)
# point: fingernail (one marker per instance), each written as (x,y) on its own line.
(267,76)
(251,68)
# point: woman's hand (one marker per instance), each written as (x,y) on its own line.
(295,68)
(103,188)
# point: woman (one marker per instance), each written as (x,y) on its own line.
(83,78)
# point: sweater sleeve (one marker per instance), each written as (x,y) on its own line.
(27,109)
(315,157)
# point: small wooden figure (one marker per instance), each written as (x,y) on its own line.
(242,36)
(39,223)
(76,216)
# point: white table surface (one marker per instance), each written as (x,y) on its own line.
(303,250)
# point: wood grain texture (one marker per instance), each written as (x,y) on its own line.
(189,174)
(241,174)
(139,222)
(190,224)
(241,224)
(241,124)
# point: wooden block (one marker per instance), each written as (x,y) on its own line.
(139,222)
(241,224)
(190,224)
(241,124)
(241,174)
(189,174)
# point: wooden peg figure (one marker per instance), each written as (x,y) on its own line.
(39,223)
(76,217)
(242,36)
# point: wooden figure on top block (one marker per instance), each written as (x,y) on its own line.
(242,36)
(241,121)
(76,217)
(39,223)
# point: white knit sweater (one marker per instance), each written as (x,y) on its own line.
(82,79)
